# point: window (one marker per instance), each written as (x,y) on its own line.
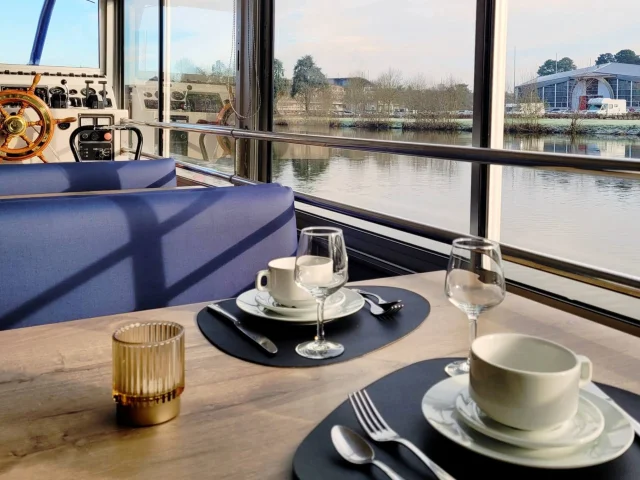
(592,87)
(379,70)
(578,216)
(196,60)
(73,27)
(142,50)
(202,79)
(635,91)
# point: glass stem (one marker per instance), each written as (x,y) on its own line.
(320,334)
(473,333)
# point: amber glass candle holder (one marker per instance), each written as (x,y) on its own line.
(148,372)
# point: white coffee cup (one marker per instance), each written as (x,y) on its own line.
(280,281)
(526,382)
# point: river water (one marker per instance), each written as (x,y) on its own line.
(587,218)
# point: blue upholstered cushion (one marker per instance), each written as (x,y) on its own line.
(65,258)
(26,179)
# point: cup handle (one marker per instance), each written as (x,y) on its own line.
(262,274)
(586,370)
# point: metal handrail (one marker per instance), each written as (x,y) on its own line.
(515,158)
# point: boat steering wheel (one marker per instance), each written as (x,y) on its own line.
(14,125)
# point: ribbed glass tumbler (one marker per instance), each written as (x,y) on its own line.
(148,372)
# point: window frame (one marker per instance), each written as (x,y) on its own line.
(488,123)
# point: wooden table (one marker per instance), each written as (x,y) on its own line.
(238,420)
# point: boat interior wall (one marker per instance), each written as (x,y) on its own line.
(90,176)
(73,257)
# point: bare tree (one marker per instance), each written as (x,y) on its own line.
(357,93)
(530,107)
(417,96)
(388,87)
(576,117)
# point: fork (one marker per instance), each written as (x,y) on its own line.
(378,311)
(372,422)
(381,301)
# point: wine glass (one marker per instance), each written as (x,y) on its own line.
(474,284)
(321,269)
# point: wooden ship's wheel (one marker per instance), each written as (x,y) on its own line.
(17,145)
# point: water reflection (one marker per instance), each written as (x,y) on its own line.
(583,217)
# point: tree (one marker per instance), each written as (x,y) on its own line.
(387,88)
(550,67)
(357,92)
(547,68)
(627,56)
(417,95)
(279,82)
(565,64)
(605,58)
(308,81)
(182,67)
(221,69)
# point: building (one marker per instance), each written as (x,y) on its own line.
(575,88)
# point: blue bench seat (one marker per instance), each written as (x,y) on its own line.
(65,258)
(29,179)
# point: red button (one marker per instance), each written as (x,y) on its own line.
(108,136)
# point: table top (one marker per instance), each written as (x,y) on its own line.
(238,420)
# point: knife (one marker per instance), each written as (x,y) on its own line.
(260,339)
(598,392)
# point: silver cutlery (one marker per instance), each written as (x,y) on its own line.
(374,308)
(378,311)
(355,449)
(260,339)
(381,301)
(378,430)
(598,392)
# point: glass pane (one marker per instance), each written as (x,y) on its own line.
(141,37)
(380,70)
(73,27)
(426,190)
(583,103)
(202,79)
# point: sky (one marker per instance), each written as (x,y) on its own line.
(431,38)
(435,38)
(72,39)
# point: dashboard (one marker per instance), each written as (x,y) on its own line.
(62,91)
(41,92)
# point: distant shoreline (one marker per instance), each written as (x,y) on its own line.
(538,126)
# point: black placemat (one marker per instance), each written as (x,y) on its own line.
(360,333)
(398,397)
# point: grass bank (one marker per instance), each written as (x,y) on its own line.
(541,126)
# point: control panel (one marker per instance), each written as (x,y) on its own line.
(96,145)
(90,98)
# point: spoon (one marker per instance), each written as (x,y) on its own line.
(355,449)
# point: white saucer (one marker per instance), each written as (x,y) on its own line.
(351,304)
(438,407)
(584,427)
(265,300)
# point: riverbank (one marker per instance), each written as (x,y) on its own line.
(540,126)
